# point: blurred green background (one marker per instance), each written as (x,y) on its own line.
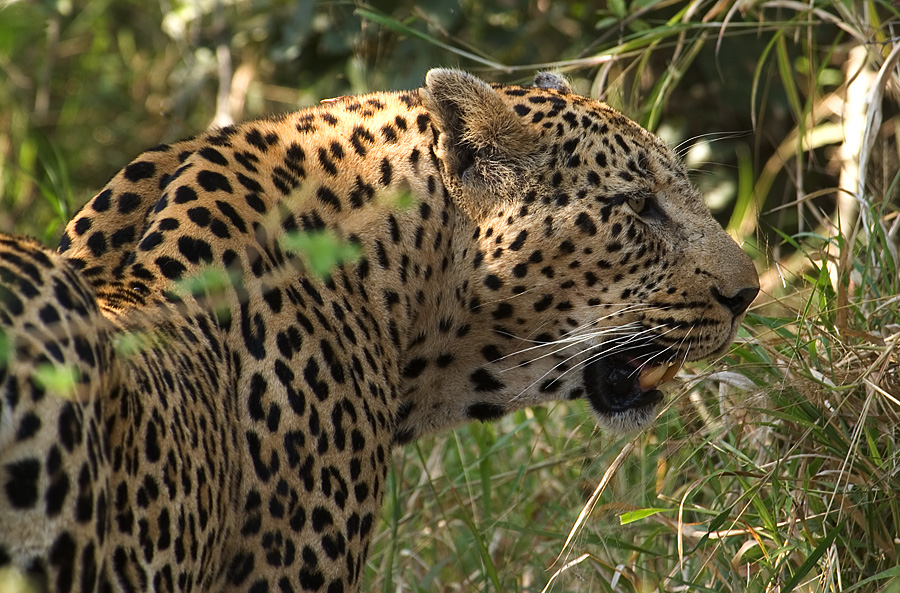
(774,469)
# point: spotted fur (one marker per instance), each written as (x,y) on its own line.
(230,412)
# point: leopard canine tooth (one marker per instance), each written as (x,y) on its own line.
(657,375)
(650,377)
(670,373)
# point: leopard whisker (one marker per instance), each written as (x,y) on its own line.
(570,338)
(565,343)
(591,358)
(682,148)
(553,368)
(566,339)
(616,350)
(626,308)
(574,336)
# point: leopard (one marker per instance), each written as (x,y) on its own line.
(202,386)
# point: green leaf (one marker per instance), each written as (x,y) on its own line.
(6,348)
(322,251)
(13,580)
(206,280)
(403,200)
(814,557)
(371,14)
(131,343)
(637,515)
(639,26)
(607,21)
(618,8)
(60,379)
(893,586)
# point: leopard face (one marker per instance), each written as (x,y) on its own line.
(597,269)
(505,247)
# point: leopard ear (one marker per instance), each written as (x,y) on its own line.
(552,80)
(485,148)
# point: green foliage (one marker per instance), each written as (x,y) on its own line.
(321,251)
(774,469)
(13,581)
(6,349)
(638,514)
(59,379)
(131,343)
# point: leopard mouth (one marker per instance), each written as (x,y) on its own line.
(626,383)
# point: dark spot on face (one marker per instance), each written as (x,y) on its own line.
(567,247)
(414,367)
(483,380)
(585,224)
(485,412)
(503,311)
(493,282)
(491,353)
(422,122)
(543,303)
(519,241)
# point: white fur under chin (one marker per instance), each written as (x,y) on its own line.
(629,420)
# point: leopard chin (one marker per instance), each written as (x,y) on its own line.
(623,389)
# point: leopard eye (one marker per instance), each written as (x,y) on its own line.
(645,205)
(637,203)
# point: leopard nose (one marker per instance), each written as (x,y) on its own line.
(738,303)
